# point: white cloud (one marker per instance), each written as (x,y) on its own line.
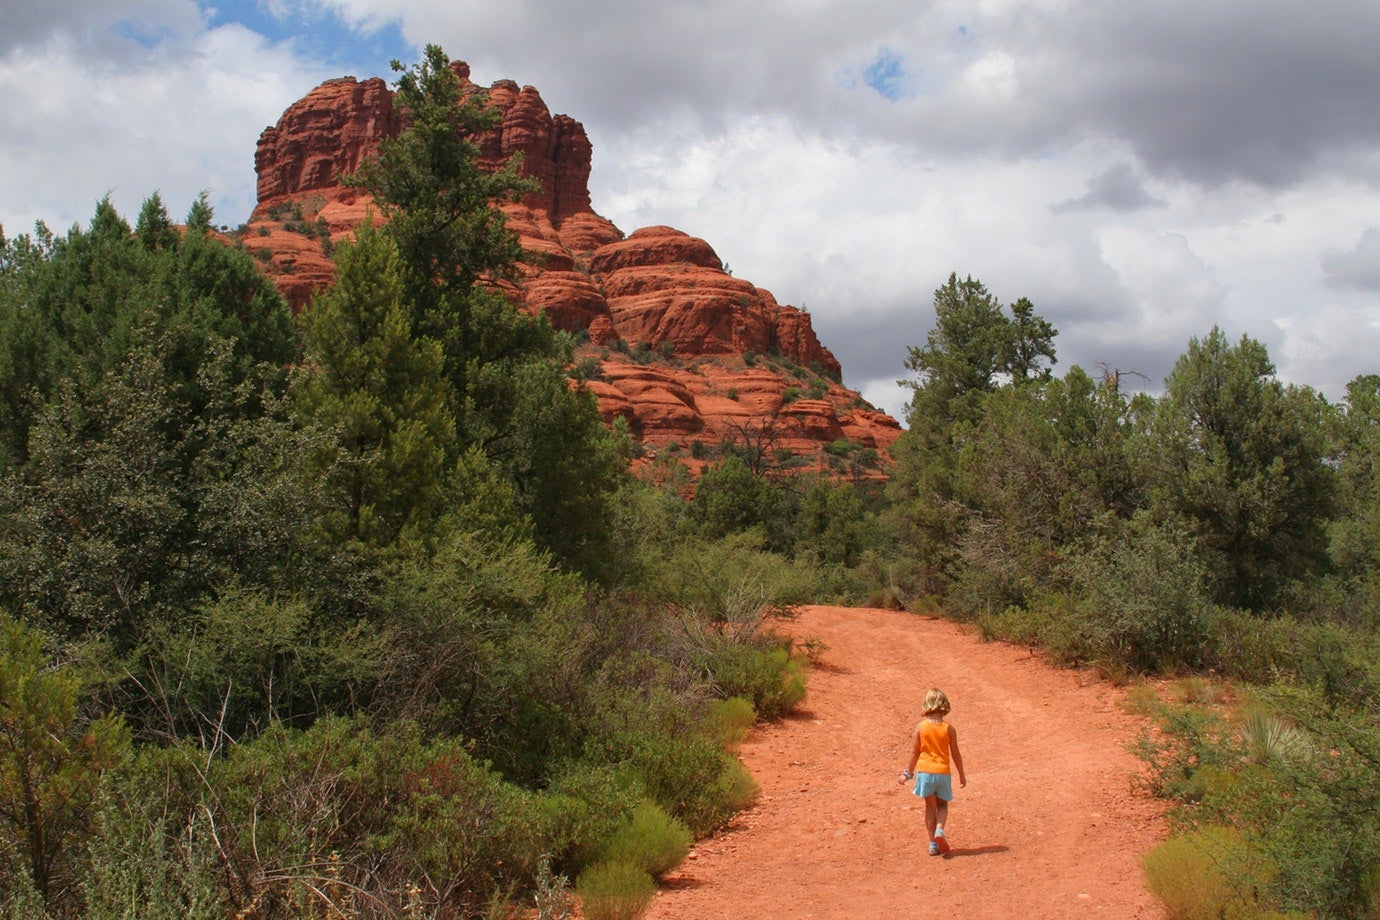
(1358,267)
(120,117)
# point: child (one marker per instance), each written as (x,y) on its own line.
(936,747)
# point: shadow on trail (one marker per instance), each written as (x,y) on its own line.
(830,667)
(976,851)
(680,884)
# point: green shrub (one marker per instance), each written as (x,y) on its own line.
(140,854)
(614,891)
(884,599)
(393,814)
(1140,597)
(1370,889)
(1209,874)
(588,802)
(54,760)
(765,674)
(730,720)
(649,839)
(735,788)
(680,773)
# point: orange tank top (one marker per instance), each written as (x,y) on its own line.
(934,747)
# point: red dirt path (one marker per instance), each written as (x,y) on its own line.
(1048,827)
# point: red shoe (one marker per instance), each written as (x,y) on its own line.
(943,843)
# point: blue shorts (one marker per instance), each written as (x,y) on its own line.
(939,784)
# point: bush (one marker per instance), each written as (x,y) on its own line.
(730,720)
(1290,766)
(682,776)
(141,854)
(54,760)
(1209,874)
(614,891)
(735,789)
(341,809)
(765,674)
(588,802)
(1140,596)
(649,839)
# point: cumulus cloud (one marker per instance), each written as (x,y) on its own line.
(1358,267)
(114,28)
(1116,188)
(136,98)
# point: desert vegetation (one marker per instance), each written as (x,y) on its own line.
(360,613)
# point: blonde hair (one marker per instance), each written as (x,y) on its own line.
(937,702)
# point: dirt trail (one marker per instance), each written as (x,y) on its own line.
(1048,826)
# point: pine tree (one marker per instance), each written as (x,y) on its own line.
(380,388)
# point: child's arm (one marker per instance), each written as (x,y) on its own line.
(955,756)
(914,758)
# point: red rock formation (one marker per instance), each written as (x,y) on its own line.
(688,353)
(322,137)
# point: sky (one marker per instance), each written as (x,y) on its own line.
(1142,172)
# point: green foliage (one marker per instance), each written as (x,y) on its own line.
(567,467)
(735,788)
(140,854)
(125,358)
(730,499)
(483,640)
(53,758)
(971,345)
(590,801)
(730,719)
(507,386)
(768,676)
(972,350)
(1208,874)
(832,525)
(1139,598)
(353,601)
(253,658)
(686,777)
(435,194)
(380,391)
(1241,456)
(729,585)
(649,839)
(339,809)
(1296,779)
(614,891)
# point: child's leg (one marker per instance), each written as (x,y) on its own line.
(932,806)
(941,814)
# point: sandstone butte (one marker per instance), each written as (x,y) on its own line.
(692,357)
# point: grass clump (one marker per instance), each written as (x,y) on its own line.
(649,839)
(614,891)
(1209,874)
(729,720)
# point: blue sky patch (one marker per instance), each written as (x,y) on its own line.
(320,34)
(887,74)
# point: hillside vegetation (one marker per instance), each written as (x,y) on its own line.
(360,612)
